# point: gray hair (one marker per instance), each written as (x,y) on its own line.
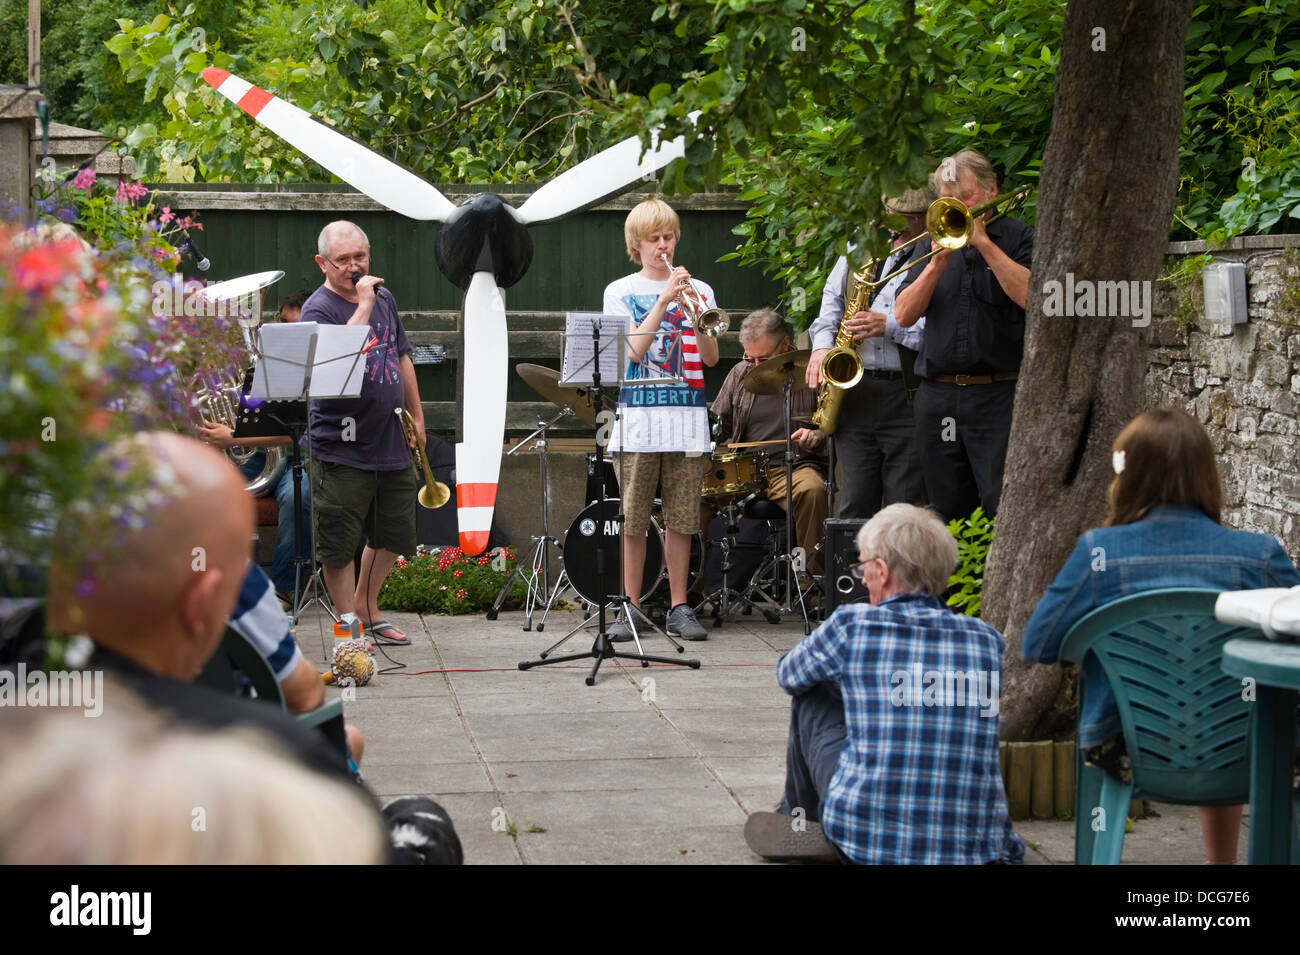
(967,161)
(916,545)
(764,321)
(335,231)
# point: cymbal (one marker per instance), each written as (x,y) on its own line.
(546,382)
(769,377)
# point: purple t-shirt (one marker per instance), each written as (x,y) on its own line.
(377,442)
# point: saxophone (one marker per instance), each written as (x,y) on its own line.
(842,368)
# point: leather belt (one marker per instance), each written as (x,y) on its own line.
(882,375)
(977,379)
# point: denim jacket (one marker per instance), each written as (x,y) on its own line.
(1171,547)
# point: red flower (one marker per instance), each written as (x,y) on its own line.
(458,573)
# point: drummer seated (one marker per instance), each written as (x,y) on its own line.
(745,417)
(893,746)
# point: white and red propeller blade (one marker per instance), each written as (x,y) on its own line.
(478,457)
(599,177)
(383,180)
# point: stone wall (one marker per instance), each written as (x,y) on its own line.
(1242,382)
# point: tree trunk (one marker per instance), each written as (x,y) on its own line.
(1106,196)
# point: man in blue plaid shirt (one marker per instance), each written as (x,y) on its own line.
(894,724)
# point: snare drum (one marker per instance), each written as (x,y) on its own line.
(734,475)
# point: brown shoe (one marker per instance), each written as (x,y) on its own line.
(773,835)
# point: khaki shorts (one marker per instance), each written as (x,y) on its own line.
(679,474)
(350,502)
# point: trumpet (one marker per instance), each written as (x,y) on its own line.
(707,321)
(434,494)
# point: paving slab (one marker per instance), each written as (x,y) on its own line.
(655,765)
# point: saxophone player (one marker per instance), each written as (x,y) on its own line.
(875,439)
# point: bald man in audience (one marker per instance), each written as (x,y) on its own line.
(156,607)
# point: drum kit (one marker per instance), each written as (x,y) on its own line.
(734,487)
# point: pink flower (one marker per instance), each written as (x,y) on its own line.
(85,179)
(458,573)
(462,593)
(130,191)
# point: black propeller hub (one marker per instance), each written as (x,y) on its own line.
(483,235)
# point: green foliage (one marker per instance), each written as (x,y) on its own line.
(1240,150)
(974,537)
(507,92)
(444,580)
(814,108)
(1183,275)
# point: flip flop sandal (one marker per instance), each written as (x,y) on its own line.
(380,628)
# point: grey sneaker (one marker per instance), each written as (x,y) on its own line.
(620,632)
(683,625)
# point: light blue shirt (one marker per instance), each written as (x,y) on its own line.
(879,354)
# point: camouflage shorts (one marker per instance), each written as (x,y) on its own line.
(679,475)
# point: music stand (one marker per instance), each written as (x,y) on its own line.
(598,363)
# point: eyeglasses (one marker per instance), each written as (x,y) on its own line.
(759,359)
(858,567)
(361,258)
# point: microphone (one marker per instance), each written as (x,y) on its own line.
(201,261)
(358,276)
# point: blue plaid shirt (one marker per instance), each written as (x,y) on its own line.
(918,780)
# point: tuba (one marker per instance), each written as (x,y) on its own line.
(221,404)
(841,367)
(707,321)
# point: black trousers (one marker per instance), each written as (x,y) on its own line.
(961,434)
(875,444)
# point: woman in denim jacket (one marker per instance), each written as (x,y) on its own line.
(1163,530)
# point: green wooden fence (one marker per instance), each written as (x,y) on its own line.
(255,228)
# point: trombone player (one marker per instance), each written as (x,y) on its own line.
(973,300)
(875,440)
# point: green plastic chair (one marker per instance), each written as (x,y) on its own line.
(1184,721)
(238,652)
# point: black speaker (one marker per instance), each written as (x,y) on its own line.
(842,550)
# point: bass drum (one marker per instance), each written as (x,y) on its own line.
(597,524)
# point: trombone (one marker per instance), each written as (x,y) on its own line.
(949,223)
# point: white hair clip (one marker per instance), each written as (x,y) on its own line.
(1117,462)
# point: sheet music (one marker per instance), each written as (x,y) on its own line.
(578,362)
(338,371)
(281,369)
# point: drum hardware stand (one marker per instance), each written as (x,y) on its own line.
(540,581)
(726,599)
(602,648)
(786,557)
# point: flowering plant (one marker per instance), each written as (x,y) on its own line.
(87,357)
(444,580)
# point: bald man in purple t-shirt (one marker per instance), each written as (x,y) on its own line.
(362,479)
